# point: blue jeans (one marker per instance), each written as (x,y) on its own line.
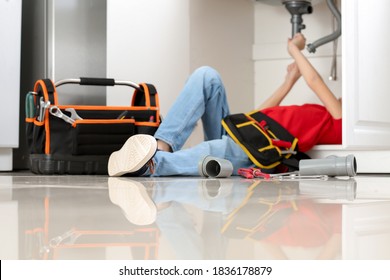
(177,224)
(203,97)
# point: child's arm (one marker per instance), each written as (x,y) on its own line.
(277,97)
(312,78)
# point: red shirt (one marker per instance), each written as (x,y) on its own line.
(310,123)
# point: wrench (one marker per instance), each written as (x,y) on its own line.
(43,106)
(55,111)
(73,114)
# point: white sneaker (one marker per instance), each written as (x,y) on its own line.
(131,196)
(137,151)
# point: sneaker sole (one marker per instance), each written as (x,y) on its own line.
(133,155)
(132,197)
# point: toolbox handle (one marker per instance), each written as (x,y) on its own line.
(97,82)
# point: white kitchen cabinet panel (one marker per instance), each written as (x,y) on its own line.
(366,69)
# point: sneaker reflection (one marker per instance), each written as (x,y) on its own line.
(132,197)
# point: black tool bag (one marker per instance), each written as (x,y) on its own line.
(78,139)
(267,144)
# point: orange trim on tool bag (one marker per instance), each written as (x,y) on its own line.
(29,120)
(114,121)
(153,124)
(43,87)
(158,110)
(103,121)
(38,123)
(45,92)
(47,129)
(108,108)
(147,94)
(42,84)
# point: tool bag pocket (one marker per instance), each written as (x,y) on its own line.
(90,137)
(100,138)
(78,139)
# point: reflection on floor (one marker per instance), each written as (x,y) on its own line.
(96,217)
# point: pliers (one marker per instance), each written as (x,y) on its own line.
(250,173)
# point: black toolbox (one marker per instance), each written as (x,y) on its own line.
(78,139)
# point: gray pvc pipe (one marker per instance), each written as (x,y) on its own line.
(331,166)
(313,46)
(210,166)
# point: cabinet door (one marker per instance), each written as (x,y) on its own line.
(366,74)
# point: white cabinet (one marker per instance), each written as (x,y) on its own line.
(10,30)
(366,60)
(365,87)
(364,64)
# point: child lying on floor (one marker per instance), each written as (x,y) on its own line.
(203,97)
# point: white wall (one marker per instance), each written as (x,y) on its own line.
(162,42)
(271,57)
(148,41)
(222,36)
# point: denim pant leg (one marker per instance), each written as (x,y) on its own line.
(203,97)
(185,162)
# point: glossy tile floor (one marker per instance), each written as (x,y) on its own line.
(96,217)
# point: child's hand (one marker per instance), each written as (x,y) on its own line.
(293,73)
(299,40)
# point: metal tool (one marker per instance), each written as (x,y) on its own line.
(296,175)
(251,173)
(55,111)
(68,237)
(73,114)
(43,106)
(299,177)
